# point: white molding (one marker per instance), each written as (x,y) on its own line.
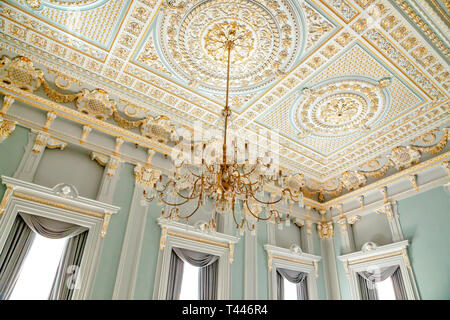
(30,160)
(175,234)
(108,183)
(15,203)
(250,266)
(131,248)
(384,256)
(284,258)
(331,280)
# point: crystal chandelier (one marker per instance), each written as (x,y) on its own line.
(229,184)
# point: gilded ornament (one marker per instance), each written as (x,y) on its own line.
(146,176)
(159,128)
(20,72)
(192,39)
(353,180)
(95,103)
(404,157)
(325,230)
(6,128)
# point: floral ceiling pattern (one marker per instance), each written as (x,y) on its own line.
(338,84)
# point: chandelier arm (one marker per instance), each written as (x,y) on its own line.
(264,202)
(175,204)
(193,212)
(190,171)
(251,212)
(191,196)
(234,215)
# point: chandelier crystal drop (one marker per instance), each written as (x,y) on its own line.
(234,187)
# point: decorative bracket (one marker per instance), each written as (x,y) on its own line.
(386,209)
(8,193)
(231,256)
(7,102)
(413,179)
(84,135)
(44,140)
(6,128)
(106,219)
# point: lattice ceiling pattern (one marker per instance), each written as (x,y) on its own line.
(338,83)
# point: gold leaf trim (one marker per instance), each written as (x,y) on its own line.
(57,96)
(379,172)
(436,148)
(127,124)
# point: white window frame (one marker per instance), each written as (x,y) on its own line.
(394,254)
(180,235)
(298,261)
(25,197)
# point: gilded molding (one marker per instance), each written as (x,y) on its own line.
(7,102)
(424,27)
(8,193)
(146,176)
(57,205)
(105,224)
(162,241)
(400,157)
(6,128)
(55,95)
(377,257)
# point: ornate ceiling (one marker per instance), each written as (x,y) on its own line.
(337,84)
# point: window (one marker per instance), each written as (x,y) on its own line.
(39,269)
(290,290)
(189,284)
(385,289)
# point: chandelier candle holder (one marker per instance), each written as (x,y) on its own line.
(224,181)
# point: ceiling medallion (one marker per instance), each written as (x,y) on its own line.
(339,108)
(236,180)
(267,42)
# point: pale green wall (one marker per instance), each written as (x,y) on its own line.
(317,251)
(11,152)
(425,221)
(149,254)
(344,286)
(112,243)
(237,271)
(263,270)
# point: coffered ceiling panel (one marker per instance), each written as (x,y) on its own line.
(337,85)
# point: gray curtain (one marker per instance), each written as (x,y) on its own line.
(368,279)
(13,255)
(208,272)
(399,287)
(368,291)
(297,277)
(175,277)
(65,281)
(208,281)
(280,286)
(50,228)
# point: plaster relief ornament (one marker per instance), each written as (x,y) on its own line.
(6,128)
(404,157)
(159,128)
(20,72)
(65,190)
(353,180)
(339,107)
(325,230)
(95,103)
(267,42)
